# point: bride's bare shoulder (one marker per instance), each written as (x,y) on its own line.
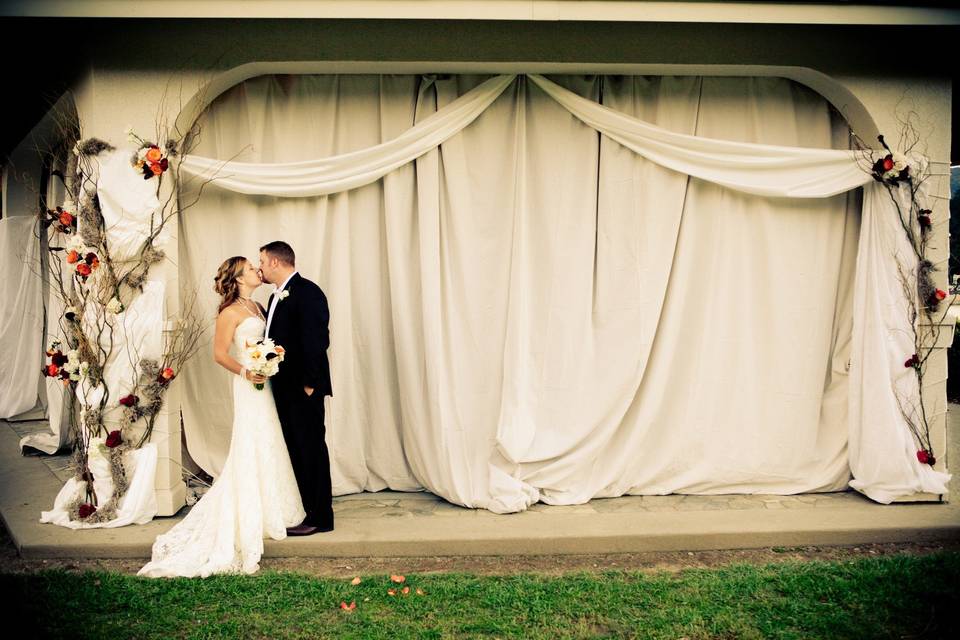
(229,316)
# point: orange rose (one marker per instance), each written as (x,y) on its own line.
(156,168)
(72,256)
(66,219)
(167,374)
(95,263)
(154,155)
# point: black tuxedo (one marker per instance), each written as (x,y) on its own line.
(300,325)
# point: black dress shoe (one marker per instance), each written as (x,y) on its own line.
(302,530)
(307,530)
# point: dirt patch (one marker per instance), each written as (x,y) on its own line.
(652,562)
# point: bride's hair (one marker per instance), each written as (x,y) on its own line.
(226,281)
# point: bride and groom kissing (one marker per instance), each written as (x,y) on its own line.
(276,478)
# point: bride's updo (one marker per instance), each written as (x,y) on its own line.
(226,281)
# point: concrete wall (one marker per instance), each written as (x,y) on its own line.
(130,67)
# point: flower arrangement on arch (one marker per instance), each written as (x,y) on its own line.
(83,258)
(150,159)
(903,174)
(66,367)
(62,220)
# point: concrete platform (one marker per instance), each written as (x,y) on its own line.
(390,524)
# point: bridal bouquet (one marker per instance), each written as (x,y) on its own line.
(263,357)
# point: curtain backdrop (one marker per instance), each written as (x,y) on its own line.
(534,311)
(21,316)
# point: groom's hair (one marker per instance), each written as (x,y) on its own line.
(281,251)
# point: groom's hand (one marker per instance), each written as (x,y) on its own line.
(308,391)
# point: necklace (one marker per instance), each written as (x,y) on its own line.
(243,303)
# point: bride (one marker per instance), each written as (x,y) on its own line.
(256,495)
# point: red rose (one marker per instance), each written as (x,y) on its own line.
(72,256)
(87,510)
(114,439)
(924,221)
(888,163)
(83,269)
(155,168)
(164,164)
(913,361)
(129,400)
(58,359)
(922,456)
(90,257)
(167,374)
(941,294)
(52,370)
(66,219)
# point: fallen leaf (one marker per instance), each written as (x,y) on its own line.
(391,592)
(405,590)
(419,591)
(356,581)
(398,579)
(348,607)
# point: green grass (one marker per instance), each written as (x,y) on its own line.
(886,597)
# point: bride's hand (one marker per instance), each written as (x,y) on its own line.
(255,378)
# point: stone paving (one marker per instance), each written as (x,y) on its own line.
(392,504)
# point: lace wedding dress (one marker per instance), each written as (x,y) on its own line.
(255,496)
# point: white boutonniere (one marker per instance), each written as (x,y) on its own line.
(283,294)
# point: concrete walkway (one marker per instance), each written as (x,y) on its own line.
(420,524)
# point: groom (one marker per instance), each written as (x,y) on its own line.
(297,320)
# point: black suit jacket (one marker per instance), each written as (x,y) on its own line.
(301,325)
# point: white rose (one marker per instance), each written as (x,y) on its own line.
(115,306)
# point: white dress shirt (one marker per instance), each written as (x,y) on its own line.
(273,303)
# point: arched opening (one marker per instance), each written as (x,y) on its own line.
(603,190)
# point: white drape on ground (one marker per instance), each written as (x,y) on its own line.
(139,503)
(21,315)
(532,311)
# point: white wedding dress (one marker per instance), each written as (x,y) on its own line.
(255,496)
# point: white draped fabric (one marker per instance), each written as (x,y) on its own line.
(128,204)
(54,397)
(21,315)
(139,503)
(354,169)
(532,310)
